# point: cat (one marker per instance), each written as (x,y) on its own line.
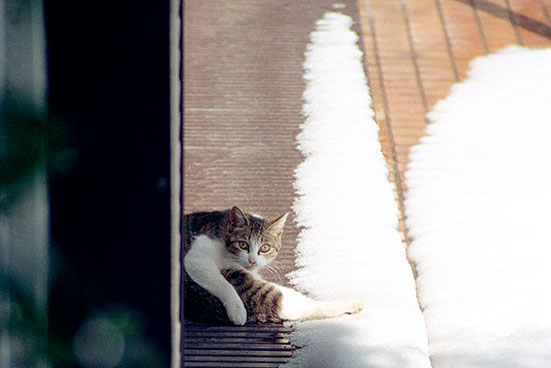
(223,252)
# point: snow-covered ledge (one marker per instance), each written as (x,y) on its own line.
(350,247)
(479,196)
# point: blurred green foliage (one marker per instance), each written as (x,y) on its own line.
(22,143)
(27,329)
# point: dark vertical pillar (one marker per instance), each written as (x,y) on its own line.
(109,149)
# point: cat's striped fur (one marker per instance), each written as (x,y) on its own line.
(262,300)
(223,251)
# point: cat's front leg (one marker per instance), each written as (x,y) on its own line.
(208,276)
(206,273)
(236,310)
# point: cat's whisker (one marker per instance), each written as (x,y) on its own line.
(270,273)
(274,272)
(275,265)
(228,273)
(268,269)
(275,268)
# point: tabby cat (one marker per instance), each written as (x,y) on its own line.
(223,252)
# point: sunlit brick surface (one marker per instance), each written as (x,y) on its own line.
(416,49)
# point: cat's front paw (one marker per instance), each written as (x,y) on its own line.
(354,307)
(236,312)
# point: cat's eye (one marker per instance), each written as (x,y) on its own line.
(265,248)
(243,245)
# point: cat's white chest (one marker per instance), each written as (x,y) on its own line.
(210,250)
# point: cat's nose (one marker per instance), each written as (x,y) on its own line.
(252,261)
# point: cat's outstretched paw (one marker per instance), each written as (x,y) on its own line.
(354,307)
(237,313)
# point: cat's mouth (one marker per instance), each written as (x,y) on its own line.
(250,267)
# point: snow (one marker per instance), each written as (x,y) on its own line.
(349,247)
(479,196)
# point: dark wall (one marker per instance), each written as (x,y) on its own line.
(108,149)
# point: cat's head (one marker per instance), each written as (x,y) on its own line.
(253,241)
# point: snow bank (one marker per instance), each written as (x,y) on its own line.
(478,210)
(349,248)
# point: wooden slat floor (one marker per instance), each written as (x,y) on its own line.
(243,98)
(247,346)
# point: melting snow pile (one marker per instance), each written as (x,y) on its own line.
(478,209)
(349,248)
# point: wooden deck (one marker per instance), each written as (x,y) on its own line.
(248,346)
(243,90)
(243,98)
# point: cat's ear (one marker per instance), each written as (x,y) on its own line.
(238,218)
(276,225)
